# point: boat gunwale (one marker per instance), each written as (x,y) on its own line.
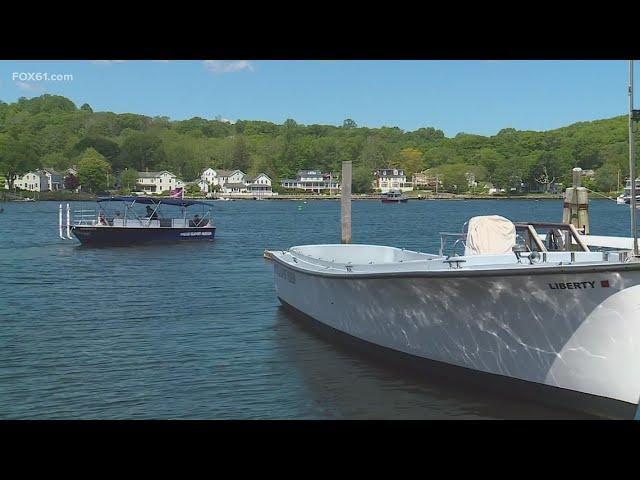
(111,227)
(461,273)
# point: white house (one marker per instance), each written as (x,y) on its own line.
(35,181)
(391,179)
(43,180)
(313,181)
(258,185)
(212,176)
(158,182)
(235,182)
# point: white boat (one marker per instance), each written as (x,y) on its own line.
(563,322)
(625,198)
(526,307)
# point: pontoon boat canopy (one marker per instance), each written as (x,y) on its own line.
(153,201)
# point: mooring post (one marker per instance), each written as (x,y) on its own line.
(345,201)
(576,204)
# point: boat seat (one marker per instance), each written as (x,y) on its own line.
(490,235)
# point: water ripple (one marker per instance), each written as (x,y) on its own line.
(195,331)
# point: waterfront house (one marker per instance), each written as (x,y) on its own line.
(42,180)
(426,180)
(235,182)
(34,181)
(312,181)
(158,182)
(391,179)
(259,185)
(55,180)
(211,177)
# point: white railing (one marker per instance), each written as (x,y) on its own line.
(79,218)
(84,217)
(61,224)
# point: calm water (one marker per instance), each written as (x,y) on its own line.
(195,330)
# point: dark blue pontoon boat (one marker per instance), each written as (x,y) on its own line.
(136,220)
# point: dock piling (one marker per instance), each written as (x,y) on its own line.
(345,202)
(576,204)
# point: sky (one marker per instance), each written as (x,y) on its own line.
(479,96)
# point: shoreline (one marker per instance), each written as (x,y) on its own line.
(92,198)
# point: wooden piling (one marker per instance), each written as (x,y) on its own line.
(345,202)
(576,204)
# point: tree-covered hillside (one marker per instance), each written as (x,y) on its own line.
(51,131)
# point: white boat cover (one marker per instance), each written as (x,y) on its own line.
(489,235)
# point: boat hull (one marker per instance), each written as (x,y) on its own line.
(136,236)
(461,377)
(404,200)
(582,344)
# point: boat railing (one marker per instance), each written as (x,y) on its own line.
(84,217)
(561,236)
(458,238)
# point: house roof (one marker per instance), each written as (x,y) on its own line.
(234,185)
(309,172)
(251,179)
(153,174)
(33,172)
(227,173)
(383,172)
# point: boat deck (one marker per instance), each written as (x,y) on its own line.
(356,260)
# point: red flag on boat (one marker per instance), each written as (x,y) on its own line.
(177,192)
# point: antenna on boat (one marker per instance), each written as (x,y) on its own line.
(632,163)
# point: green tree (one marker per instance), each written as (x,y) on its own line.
(16,158)
(454,177)
(56,160)
(50,126)
(362,180)
(409,159)
(141,151)
(506,176)
(93,171)
(129,178)
(606,177)
(241,155)
(108,148)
